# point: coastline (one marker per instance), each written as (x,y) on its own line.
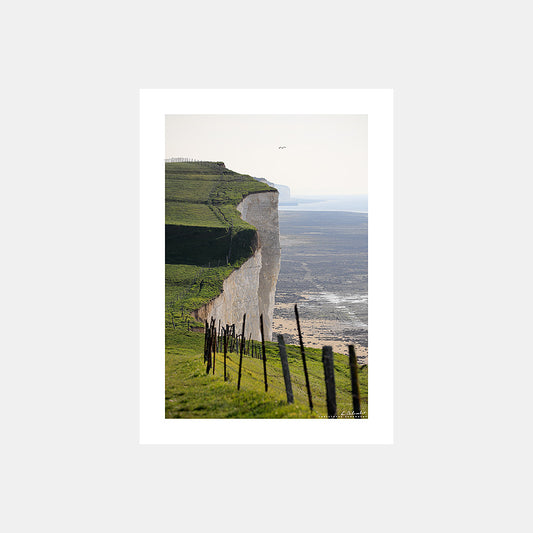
(317,333)
(324,269)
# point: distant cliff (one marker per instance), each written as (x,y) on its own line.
(284,191)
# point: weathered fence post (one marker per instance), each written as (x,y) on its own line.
(225,352)
(329,377)
(205,341)
(356,397)
(285,367)
(208,350)
(240,359)
(264,353)
(227,335)
(302,350)
(214,347)
(213,334)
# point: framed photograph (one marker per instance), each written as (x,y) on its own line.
(266,266)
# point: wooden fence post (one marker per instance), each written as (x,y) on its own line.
(205,341)
(227,335)
(355,382)
(264,353)
(329,377)
(285,367)
(208,351)
(213,334)
(240,359)
(214,346)
(225,352)
(302,350)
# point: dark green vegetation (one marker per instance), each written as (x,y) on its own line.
(190,393)
(194,245)
(206,239)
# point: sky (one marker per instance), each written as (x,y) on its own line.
(324,154)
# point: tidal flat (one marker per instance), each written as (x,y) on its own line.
(324,269)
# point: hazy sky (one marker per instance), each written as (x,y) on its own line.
(325,154)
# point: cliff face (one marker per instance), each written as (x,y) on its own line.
(251,289)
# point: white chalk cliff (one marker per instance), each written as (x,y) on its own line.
(251,289)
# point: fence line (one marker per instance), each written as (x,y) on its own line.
(186,160)
(225,339)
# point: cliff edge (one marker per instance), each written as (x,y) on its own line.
(222,249)
(251,289)
(261,210)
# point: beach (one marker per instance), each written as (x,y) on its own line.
(324,258)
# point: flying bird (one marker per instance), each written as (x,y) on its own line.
(281,147)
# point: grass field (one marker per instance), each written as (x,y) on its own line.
(190,393)
(205,194)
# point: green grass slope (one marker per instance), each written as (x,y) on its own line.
(205,236)
(205,194)
(190,393)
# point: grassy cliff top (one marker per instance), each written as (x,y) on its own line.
(206,195)
(205,236)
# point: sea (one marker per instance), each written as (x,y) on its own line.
(354,203)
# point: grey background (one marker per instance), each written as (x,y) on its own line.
(69,219)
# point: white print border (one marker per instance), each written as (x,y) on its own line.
(378,105)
